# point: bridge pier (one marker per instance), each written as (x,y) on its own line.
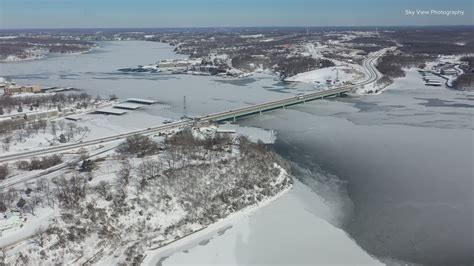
(260,111)
(235,119)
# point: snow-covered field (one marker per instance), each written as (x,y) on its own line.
(328,76)
(41,219)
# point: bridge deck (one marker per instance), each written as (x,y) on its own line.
(261,108)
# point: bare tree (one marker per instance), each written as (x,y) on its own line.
(3,203)
(70,131)
(11,196)
(54,128)
(61,125)
(31,204)
(102,188)
(46,188)
(6,142)
(4,171)
(83,154)
(138,145)
(69,191)
(147,170)
(123,174)
(40,236)
(3,256)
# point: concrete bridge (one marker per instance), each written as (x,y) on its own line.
(279,104)
(372,75)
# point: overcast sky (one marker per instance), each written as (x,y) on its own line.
(225,13)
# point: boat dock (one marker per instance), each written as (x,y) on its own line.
(140,101)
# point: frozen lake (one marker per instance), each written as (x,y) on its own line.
(405,160)
(96,73)
(393,170)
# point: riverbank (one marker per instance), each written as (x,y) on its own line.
(41,55)
(157,190)
(201,236)
(286,231)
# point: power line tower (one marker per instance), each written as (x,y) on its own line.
(185,115)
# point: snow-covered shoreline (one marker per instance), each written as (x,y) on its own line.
(198,184)
(154,255)
(277,224)
(39,56)
(14,58)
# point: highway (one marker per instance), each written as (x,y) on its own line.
(371,76)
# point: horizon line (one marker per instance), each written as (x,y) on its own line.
(245,27)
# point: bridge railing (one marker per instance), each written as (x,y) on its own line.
(275,104)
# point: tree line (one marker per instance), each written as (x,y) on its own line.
(391,64)
(9,103)
(466,80)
